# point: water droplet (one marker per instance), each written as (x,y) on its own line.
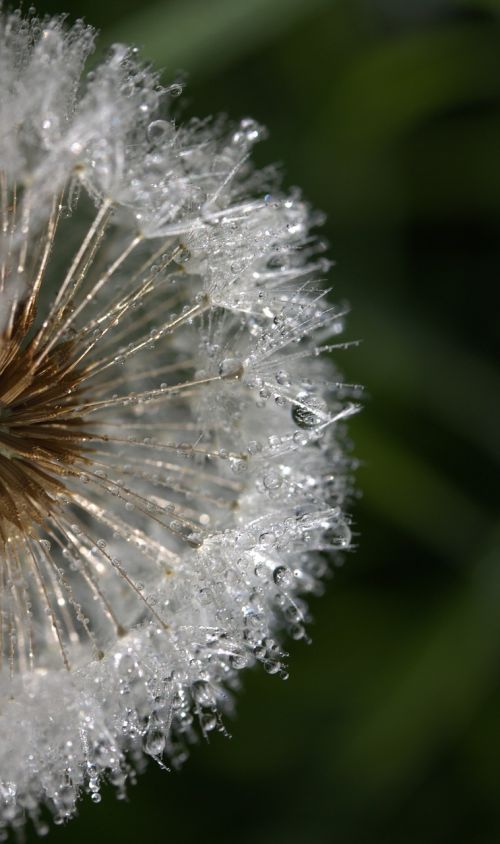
(237,465)
(154,743)
(238,661)
(248,132)
(182,255)
(311,411)
(300,438)
(175,89)
(208,721)
(282,576)
(271,666)
(282,377)
(159,130)
(272,480)
(230,366)
(297,631)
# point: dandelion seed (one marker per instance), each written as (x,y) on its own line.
(171,452)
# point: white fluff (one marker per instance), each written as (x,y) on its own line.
(218,468)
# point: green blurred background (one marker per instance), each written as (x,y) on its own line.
(387,113)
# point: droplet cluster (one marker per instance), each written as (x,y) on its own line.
(173,457)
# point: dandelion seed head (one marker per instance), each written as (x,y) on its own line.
(173,461)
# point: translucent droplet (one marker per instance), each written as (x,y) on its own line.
(158,130)
(272,480)
(237,465)
(282,576)
(182,255)
(271,666)
(310,412)
(238,661)
(297,631)
(300,438)
(230,366)
(248,132)
(282,377)
(208,721)
(175,89)
(268,538)
(154,743)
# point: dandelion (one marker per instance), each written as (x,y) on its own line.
(172,457)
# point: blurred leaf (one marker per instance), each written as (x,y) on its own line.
(427,700)
(417,364)
(415,496)
(486,5)
(379,100)
(399,84)
(205,35)
(453,168)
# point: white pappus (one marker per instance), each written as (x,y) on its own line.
(173,460)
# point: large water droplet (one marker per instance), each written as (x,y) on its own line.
(310,412)
(154,743)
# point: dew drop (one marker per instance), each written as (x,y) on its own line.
(154,743)
(282,576)
(230,366)
(300,438)
(272,480)
(182,255)
(310,412)
(238,661)
(174,90)
(271,666)
(158,130)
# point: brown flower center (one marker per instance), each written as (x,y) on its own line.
(40,435)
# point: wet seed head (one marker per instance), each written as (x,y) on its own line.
(173,457)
